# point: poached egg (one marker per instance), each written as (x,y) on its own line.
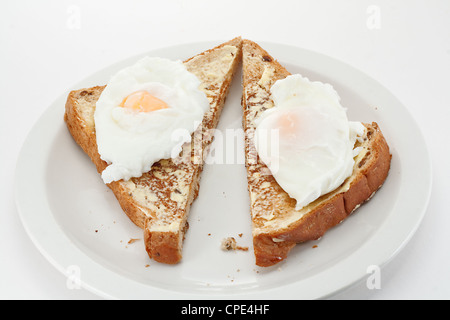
(140,113)
(306,140)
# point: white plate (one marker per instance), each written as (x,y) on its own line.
(75,221)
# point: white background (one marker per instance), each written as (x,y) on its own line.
(47,46)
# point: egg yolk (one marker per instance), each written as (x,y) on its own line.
(289,125)
(142,101)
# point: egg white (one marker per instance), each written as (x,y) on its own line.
(313,154)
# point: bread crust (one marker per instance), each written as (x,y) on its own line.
(84,135)
(162,246)
(273,243)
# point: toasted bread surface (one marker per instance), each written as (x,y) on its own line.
(159,200)
(276,225)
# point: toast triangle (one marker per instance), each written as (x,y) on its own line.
(276,226)
(159,200)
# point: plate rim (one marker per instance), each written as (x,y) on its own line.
(141,290)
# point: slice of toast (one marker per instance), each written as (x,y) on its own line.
(276,226)
(159,200)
